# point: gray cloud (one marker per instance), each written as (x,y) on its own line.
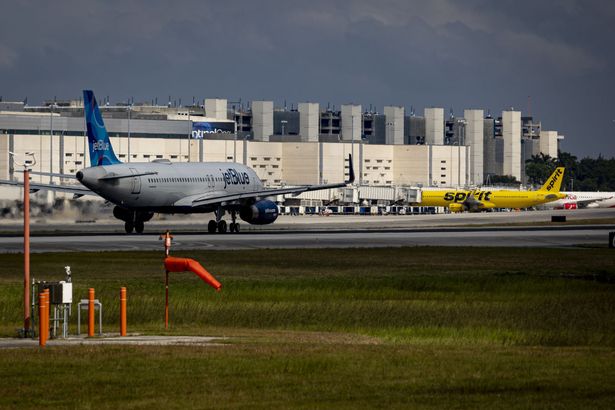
(475,53)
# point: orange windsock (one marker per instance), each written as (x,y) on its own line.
(173,264)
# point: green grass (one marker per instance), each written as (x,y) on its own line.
(404,327)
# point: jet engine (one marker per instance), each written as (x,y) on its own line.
(261,213)
(455,207)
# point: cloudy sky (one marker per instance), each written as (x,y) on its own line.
(451,54)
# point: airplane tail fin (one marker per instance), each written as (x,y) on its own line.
(350,170)
(554,182)
(101,151)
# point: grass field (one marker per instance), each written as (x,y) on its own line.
(394,328)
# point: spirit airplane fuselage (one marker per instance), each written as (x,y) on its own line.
(489,198)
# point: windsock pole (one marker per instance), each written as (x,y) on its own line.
(166,299)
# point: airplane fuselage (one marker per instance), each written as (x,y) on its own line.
(167,187)
(576,200)
(490,198)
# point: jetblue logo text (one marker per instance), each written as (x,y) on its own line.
(462,196)
(233,177)
(553,180)
(100,145)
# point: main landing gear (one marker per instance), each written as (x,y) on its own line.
(138,226)
(133,221)
(219,225)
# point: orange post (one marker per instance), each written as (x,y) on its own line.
(91,312)
(122,311)
(167,242)
(41,326)
(46,314)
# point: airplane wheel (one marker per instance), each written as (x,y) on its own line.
(231,227)
(139,226)
(128,226)
(237,227)
(212,226)
(222,226)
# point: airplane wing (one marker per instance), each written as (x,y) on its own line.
(582,203)
(78,190)
(224,198)
(52,174)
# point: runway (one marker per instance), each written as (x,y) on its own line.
(484,237)
(506,229)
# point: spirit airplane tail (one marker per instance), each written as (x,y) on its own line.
(554,182)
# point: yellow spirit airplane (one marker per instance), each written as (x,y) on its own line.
(478,200)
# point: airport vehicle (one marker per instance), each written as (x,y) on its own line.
(576,200)
(139,190)
(479,200)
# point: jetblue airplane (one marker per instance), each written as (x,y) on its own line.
(139,190)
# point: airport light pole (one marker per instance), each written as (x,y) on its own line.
(129,108)
(351,137)
(462,130)
(235,147)
(26,331)
(189,133)
(51,107)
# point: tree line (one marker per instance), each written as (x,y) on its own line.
(587,174)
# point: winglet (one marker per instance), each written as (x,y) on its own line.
(350,170)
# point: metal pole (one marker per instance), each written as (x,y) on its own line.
(189,132)
(166,300)
(129,109)
(459,158)
(51,143)
(351,137)
(26,250)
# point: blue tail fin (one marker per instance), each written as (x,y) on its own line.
(101,151)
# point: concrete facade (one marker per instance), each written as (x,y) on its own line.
(511,133)
(548,143)
(474,133)
(262,120)
(276,163)
(411,165)
(434,126)
(216,108)
(300,163)
(309,119)
(351,122)
(448,165)
(394,125)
